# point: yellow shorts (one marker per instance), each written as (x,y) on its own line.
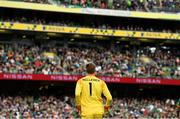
(95,116)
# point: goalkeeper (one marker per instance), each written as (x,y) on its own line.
(88,95)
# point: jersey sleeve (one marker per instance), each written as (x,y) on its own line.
(107,94)
(78,93)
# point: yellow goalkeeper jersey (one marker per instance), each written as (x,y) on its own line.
(88,94)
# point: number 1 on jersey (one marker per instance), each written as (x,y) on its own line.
(90,88)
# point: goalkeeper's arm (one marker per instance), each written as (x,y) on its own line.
(108,96)
(77,95)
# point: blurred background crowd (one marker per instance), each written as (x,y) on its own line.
(52,107)
(55,102)
(121,60)
(101,23)
(132,5)
(30,107)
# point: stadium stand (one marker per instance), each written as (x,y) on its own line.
(70,22)
(132,5)
(19,107)
(124,61)
(50,101)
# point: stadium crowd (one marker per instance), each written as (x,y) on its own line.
(133,5)
(29,107)
(143,108)
(53,107)
(98,24)
(125,61)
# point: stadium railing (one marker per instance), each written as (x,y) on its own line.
(87,31)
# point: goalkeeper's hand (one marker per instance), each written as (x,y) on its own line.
(106,108)
(78,109)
